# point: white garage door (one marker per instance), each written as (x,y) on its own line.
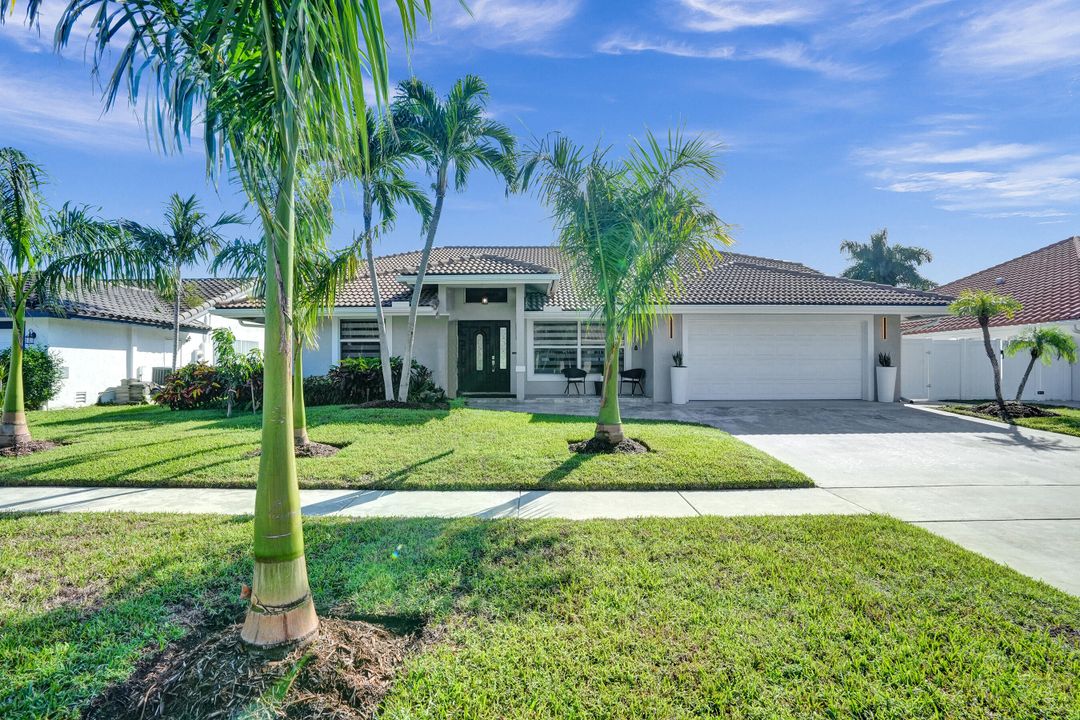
(775,357)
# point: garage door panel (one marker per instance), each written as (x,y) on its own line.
(733,357)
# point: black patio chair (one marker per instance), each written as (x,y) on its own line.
(636,378)
(575,377)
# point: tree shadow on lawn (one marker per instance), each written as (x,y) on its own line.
(405,571)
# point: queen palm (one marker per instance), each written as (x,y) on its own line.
(190,236)
(984,305)
(268,80)
(383,186)
(627,228)
(1041,343)
(878,261)
(45,252)
(452,136)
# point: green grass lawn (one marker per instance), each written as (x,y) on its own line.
(461,448)
(743,618)
(1067,420)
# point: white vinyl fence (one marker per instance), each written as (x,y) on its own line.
(958,369)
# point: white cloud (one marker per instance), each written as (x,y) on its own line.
(508,22)
(998,180)
(49,110)
(925,153)
(798,57)
(620,44)
(727,15)
(1018,37)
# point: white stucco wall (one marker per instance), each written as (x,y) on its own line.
(98,354)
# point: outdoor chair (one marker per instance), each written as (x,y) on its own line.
(636,378)
(575,377)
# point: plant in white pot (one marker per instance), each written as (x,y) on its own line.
(678,380)
(886,378)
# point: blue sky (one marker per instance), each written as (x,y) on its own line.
(954,124)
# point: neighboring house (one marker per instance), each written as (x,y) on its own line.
(119,332)
(507,321)
(945,356)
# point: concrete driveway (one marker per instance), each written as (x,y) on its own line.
(1011,494)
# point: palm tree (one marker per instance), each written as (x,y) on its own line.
(42,253)
(275,85)
(190,238)
(878,261)
(451,135)
(383,185)
(1042,343)
(983,305)
(627,228)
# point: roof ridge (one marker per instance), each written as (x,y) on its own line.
(1075,239)
(853,281)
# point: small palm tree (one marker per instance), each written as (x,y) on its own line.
(42,253)
(984,305)
(451,135)
(878,261)
(383,186)
(1042,343)
(190,237)
(627,229)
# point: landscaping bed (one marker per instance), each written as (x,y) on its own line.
(400,448)
(859,616)
(1039,416)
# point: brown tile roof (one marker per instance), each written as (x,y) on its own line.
(1046,282)
(139,305)
(734,279)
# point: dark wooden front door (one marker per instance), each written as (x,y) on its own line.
(484,356)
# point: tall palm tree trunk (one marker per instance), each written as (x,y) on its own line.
(300,435)
(13,428)
(281,609)
(380,318)
(414,303)
(609,421)
(1027,374)
(1002,410)
(176,320)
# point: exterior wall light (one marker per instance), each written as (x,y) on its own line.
(884,328)
(484,300)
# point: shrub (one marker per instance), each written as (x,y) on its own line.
(193,386)
(42,370)
(359,380)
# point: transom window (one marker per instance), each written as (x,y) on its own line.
(568,344)
(359,338)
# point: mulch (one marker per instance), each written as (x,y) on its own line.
(596,446)
(1015,409)
(311,450)
(343,674)
(31,447)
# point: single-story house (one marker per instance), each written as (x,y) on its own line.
(508,320)
(117,332)
(944,355)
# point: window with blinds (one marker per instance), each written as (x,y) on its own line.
(359,338)
(568,344)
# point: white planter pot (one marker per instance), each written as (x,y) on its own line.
(886,384)
(679,379)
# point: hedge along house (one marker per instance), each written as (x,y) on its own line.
(507,320)
(116,332)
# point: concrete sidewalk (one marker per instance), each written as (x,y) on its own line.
(569,505)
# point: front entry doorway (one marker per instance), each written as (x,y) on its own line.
(484,357)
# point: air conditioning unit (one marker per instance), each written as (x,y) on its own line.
(80,397)
(160,374)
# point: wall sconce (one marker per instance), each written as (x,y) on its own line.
(484,300)
(671,327)
(884,328)
(31,337)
